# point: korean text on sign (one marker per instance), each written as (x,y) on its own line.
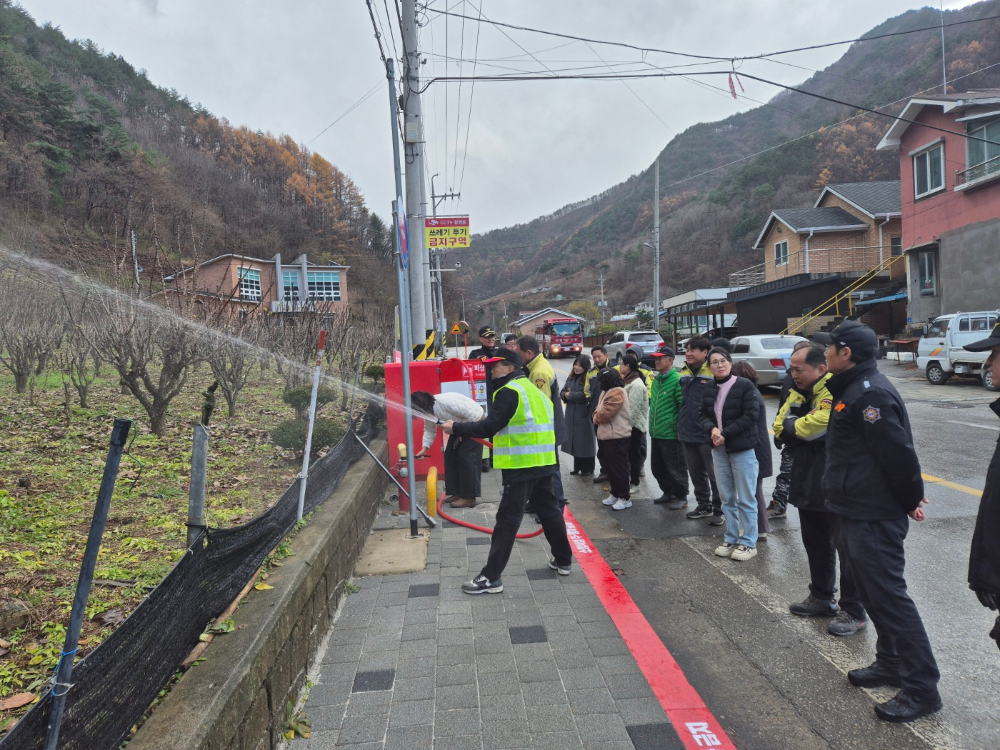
(449,232)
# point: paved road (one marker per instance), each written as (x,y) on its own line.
(778,681)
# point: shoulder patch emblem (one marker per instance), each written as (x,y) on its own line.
(840,406)
(871,414)
(540,382)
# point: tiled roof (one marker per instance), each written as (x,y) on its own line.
(874,198)
(804,219)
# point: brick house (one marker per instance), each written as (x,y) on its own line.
(252,284)
(949,164)
(842,246)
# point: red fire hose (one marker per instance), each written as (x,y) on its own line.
(477,527)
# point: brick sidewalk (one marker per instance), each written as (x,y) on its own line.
(412,662)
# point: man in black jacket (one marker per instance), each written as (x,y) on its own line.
(984,559)
(778,507)
(532,482)
(695,379)
(488,348)
(873,481)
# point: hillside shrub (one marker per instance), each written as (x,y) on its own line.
(291,435)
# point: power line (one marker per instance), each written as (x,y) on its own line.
(378,37)
(365,97)
(643,101)
(468,117)
(720,58)
(458,108)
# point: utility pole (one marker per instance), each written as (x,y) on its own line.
(604,305)
(435,202)
(413,153)
(656,243)
(944,66)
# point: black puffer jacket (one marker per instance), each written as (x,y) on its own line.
(693,385)
(763,447)
(739,415)
(984,559)
(872,470)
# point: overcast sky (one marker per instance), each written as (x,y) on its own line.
(296,66)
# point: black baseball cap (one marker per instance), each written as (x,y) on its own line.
(861,339)
(984,344)
(503,354)
(486,331)
(666,351)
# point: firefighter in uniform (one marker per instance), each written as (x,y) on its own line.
(488,347)
(524,447)
(873,482)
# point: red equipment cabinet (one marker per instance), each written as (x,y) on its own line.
(434,376)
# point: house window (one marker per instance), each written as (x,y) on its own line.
(324,285)
(781,253)
(927,274)
(290,286)
(983,158)
(897,245)
(249,284)
(928,171)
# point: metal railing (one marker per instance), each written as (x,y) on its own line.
(843,295)
(813,260)
(977,172)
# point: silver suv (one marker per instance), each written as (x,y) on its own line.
(620,343)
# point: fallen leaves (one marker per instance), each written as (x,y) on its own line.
(17,701)
(262,587)
(112,617)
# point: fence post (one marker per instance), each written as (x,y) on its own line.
(196,497)
(64,669)
(304,476)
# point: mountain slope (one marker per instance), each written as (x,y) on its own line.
(91,150)
(715,193)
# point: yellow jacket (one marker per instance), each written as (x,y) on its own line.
(810,426)
(540,373)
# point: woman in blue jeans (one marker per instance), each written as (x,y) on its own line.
(729,414)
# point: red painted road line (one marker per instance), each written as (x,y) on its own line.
(692,719)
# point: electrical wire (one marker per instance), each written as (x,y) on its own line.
(378,37)
(458,108)
(641,100)
(468,117)
(721,58)
(365,97)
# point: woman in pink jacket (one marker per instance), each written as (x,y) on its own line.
(614,434)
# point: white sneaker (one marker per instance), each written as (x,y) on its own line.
(622,505)
(610,500)
(742,553)
(725,550)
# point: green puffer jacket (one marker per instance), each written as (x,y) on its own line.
(665,401)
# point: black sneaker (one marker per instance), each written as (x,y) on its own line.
(699,512)
(716,520)
(678,503)
(663,499)
(874,675)
(563,570)
(634,482)
(845,625)
(777,512)
(906,707)
(602,477)
(482,585)
(813,606)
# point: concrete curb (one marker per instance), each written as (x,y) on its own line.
(236,698)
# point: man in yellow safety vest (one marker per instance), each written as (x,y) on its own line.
(521,423)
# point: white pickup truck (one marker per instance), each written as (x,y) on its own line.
(940,354)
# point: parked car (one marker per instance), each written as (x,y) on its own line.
(769,354)
(621,342)
(940,354)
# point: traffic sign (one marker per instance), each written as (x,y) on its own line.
(447,232)
(456,329)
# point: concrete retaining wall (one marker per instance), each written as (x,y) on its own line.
(235,699)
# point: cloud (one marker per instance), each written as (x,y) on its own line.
(153,6)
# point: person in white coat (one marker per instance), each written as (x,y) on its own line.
(463,457)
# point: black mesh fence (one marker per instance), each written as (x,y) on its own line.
(115,684)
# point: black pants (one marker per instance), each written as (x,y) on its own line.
(583,465)
(666,458)
(819,534)
(783,482)
(702,470)
(874,551)
(613,455)
(636,454)
(463,458)
(509,515)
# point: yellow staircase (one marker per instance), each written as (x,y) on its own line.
(843,295)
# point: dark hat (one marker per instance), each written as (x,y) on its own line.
(861,339)
(664,352)
(988,343)
(503,354)
(486,331)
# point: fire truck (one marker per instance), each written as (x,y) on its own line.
(560,337)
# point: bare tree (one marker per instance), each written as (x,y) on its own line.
(234,356)
(77,359)
(31,327)
(152,347)
(293,340)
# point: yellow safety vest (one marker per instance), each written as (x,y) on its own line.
(529,439)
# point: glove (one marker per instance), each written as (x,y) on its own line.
(995,633)
(988,600)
